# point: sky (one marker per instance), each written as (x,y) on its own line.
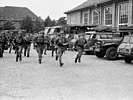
(54,8)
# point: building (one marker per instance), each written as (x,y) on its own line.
(115,13)
(15,14)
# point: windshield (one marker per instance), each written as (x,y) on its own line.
(46,30)
(51,31)
(126,39)
(131,40)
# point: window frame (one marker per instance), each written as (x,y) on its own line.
(84,22)
(95,16)
(119,24)
(105,16)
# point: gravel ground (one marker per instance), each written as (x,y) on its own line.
(92,79)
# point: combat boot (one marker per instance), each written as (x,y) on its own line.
(76,60)
(56,57)
(40,61)
(79,60)
(20,58)
(61,64)
(16,58)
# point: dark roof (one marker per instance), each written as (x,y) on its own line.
(86,4)
(15,13)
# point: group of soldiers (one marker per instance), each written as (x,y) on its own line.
(58,44)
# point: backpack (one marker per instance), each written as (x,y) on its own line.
(40,39)
(81,42)
(61,40)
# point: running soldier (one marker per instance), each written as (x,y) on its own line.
(53,45)
(46,42)
(10,40)
(79,45)
(61,42)
(3,42)
(18,42)
(27,44)
(39,44)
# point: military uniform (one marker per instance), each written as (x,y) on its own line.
(10,39)
(53,45)
(27,44)
(79,45)
(61,42)
(3,42)
(18,42)
(46,42)
(39,44)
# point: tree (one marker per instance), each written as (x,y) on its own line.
(8,25)
(38,25)
(61,21)
(27,24)
(48,22)
(53,23)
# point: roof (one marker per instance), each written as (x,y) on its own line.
(15,13)
(86,4)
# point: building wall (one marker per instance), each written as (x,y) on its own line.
(74,18)
(77,18)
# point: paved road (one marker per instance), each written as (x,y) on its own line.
(92,79)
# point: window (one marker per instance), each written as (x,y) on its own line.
(85,18)
(95,17)
(123,11)
(108,16)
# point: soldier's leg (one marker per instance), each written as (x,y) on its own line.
(20,53)
(79,56)
(40,55)
(17,53)
(57,54)
(60,57)
(45,49)
(10,48)
(28,50)
(25,49)
(52,47)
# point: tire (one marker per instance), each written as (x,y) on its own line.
(111,53)
(127,59)
(100,54)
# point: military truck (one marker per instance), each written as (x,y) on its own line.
(107,44)
(126,47)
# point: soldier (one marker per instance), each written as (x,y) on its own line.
(79,45)
(10,39)
(18,42)
(53,44)
(27,44)
(46,42)
(3,42)
(39,44)
(62,46)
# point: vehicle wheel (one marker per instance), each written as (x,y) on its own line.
(127,59)
(111,53)
(100,54)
